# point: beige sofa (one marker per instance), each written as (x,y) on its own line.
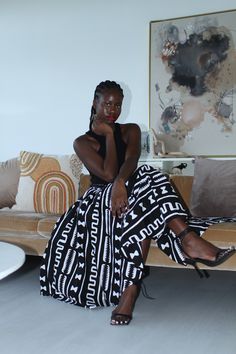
(31,231)
(35,189)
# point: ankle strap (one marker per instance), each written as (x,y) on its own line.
(183,233)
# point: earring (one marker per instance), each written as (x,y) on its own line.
(93,114)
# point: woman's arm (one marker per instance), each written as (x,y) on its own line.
(87,147)
(119,198)
(132,137)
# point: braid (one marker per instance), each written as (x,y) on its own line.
(107,85)
(101,88)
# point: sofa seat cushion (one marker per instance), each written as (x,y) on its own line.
(27,223)
(46,225)
(223,234)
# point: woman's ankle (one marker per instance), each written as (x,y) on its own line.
(128,298)
(196,247)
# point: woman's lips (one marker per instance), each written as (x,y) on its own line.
(111,118)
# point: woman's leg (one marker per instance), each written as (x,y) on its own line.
(192,244)
(196,249)
(123,312)
(164,204)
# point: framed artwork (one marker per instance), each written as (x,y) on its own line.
(193,83)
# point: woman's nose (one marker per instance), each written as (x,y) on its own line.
(112,109)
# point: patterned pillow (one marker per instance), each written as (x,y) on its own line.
(48,183)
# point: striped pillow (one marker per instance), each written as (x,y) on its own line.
(48,183)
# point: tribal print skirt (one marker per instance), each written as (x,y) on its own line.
(92,257)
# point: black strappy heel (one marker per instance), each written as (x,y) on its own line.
(141,285)
(221,256)
(119,319)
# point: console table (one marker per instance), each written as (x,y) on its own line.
(166,164)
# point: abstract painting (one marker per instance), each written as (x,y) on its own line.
(193,83)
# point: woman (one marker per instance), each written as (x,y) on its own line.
(97,251)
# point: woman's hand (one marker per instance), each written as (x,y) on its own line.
(100,126)
(119,199)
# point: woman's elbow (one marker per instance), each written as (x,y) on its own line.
(109,177)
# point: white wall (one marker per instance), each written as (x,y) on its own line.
(54,53)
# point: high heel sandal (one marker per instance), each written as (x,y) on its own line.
(116,317)
(221,256)
(121,319)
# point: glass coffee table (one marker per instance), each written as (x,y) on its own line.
(11,258)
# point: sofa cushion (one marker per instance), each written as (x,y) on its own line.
(48,183)
(46,225)
(9,180)
(183,187)
(27,222)
(214,188)
(84,183)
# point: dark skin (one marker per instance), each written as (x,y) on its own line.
(108,109)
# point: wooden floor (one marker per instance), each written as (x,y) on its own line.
(188,315)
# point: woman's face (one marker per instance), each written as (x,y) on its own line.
(108,105)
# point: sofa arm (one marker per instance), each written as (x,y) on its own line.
(183,186)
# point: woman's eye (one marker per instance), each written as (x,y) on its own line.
(108,105)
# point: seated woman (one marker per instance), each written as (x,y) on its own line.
(98,248)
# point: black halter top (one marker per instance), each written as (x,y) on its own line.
(120,150)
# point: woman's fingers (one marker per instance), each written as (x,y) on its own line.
(124,207)
(119,209)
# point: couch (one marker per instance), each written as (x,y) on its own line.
(35,189)
(31,229)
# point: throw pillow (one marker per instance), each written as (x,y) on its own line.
(9,179)
(214,188)
(48,183)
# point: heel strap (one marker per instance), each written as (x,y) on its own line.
(189,260)
(145,293)
(184,233)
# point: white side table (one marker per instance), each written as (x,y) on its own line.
(167,163)
(11,258)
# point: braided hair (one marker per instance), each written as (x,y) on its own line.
(100,89)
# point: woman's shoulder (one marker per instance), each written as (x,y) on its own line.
(82,140)
(130,127)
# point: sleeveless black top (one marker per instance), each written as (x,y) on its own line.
(120,150)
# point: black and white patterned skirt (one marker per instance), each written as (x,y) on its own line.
(92,257)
